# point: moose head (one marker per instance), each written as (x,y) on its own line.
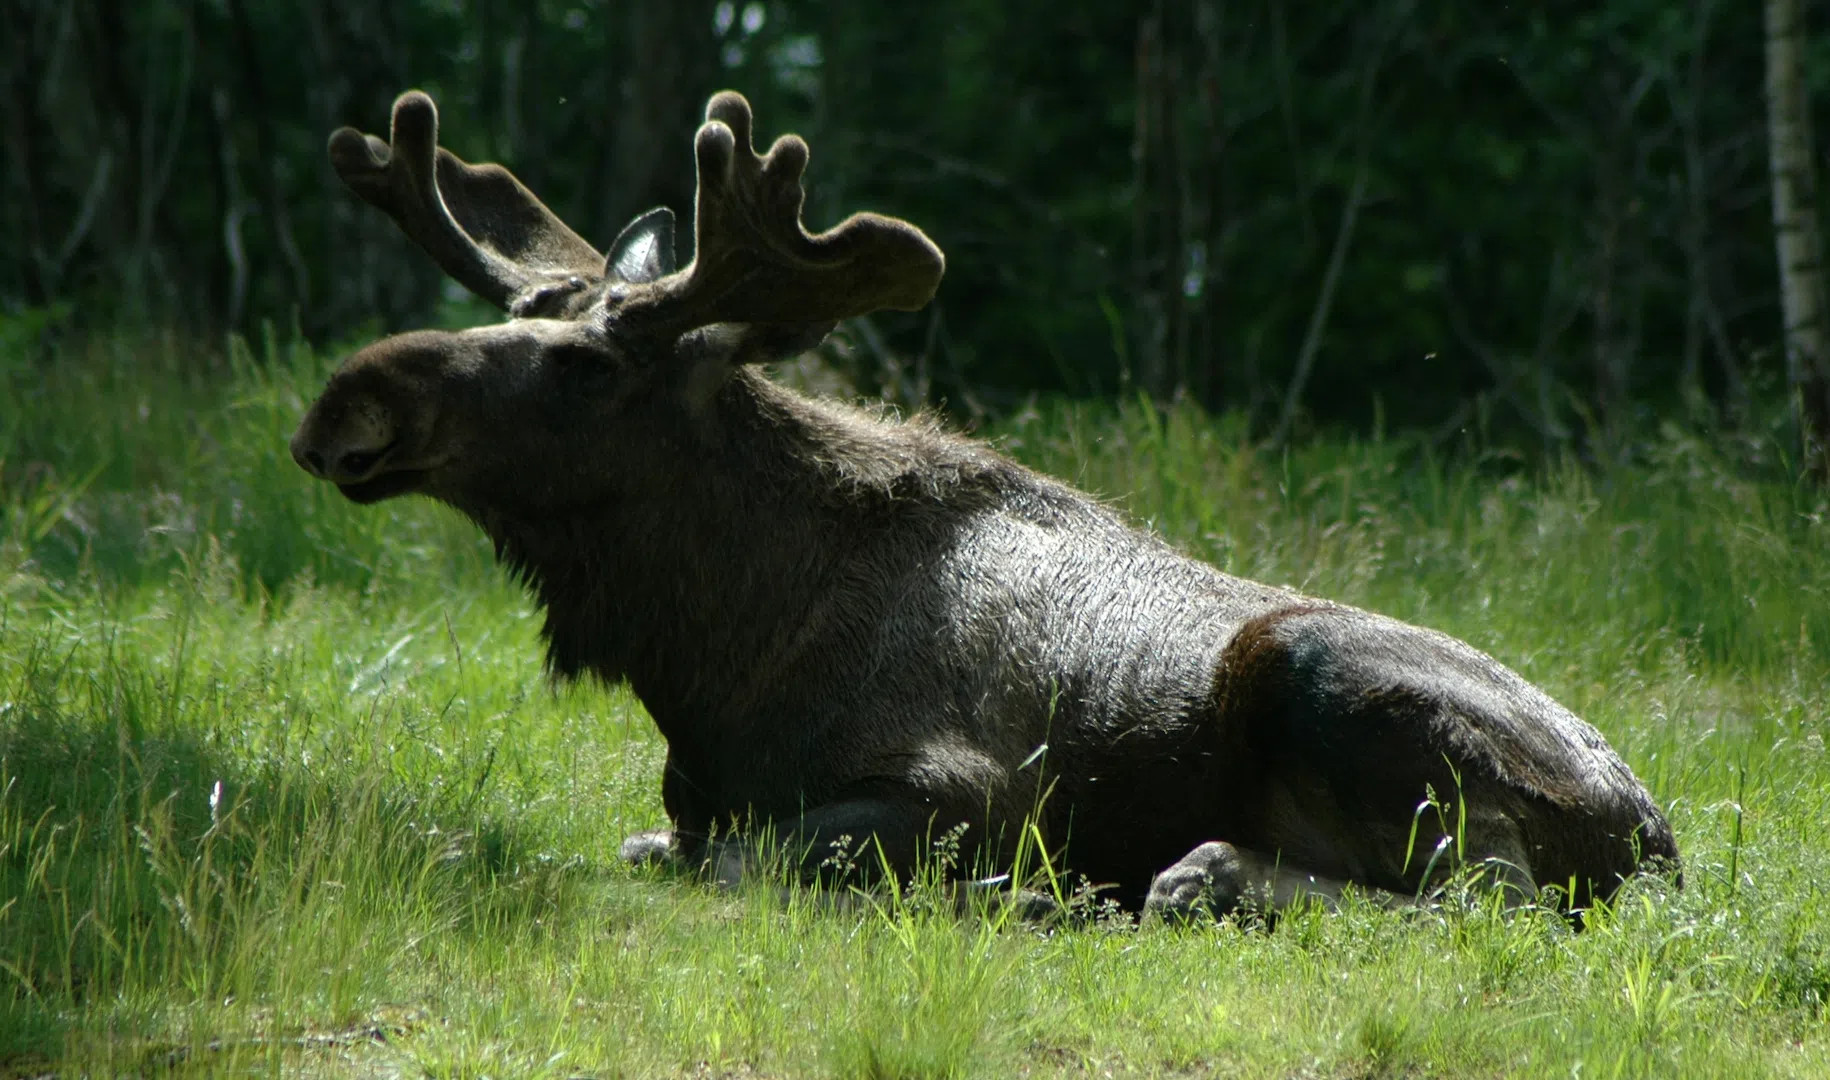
(595,347)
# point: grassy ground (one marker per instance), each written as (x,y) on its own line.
(282,788)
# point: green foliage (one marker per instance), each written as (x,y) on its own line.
(1552,217)
(133,457)
(1694,553)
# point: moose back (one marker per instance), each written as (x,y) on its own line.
(858,630)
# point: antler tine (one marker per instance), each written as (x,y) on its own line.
(479,223)
(756,263)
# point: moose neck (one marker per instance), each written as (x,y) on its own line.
(695,588)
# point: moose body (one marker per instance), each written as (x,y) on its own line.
(855,629)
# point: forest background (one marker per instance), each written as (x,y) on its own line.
(1548,222)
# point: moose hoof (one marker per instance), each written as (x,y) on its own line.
(1207,881)
(651,848)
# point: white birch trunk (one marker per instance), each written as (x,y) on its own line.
(1795,225)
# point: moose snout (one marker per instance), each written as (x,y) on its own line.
(327,461)
(307,456)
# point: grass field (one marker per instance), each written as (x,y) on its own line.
(284,790)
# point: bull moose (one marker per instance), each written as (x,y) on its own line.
(857,628)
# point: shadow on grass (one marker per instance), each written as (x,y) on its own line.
(142,870)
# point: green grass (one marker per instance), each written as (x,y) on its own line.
(283,789)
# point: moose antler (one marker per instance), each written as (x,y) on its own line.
(754,261)
(480,224)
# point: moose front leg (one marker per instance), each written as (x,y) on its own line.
(684,843)
(650,847)
(847,841)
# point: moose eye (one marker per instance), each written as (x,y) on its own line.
(576,356)
(579,365)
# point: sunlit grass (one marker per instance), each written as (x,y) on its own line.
(283,788)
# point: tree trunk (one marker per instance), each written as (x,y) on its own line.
(667,72)
(1154,222)
(1799,239)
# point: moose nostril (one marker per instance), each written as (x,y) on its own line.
(356,463)
(313,462)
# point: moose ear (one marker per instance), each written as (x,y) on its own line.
(644,251)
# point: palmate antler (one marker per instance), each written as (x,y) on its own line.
(754,261)
(479,223)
